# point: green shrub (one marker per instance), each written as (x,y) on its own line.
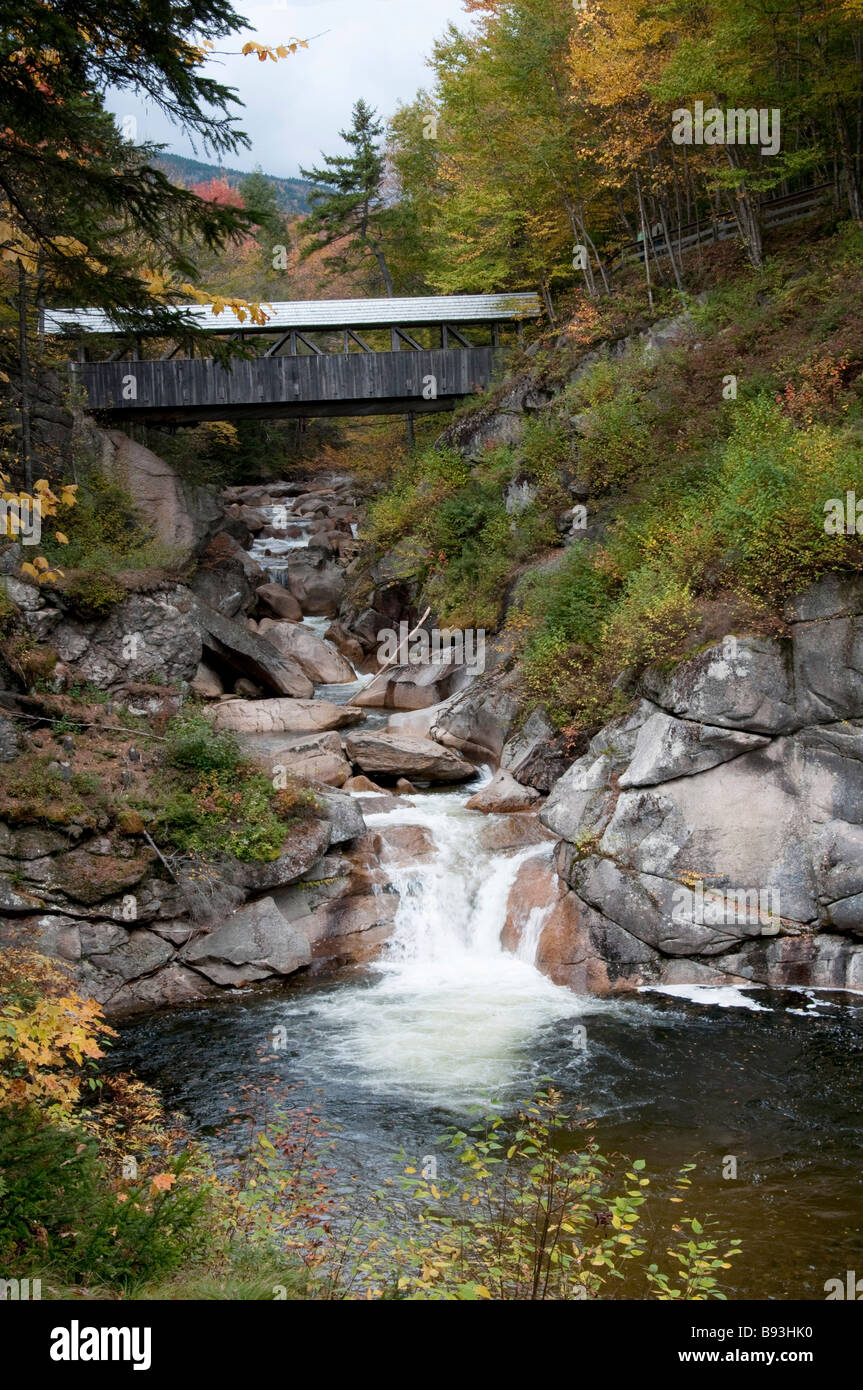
(547,449)
(91,594)
(775,482)
(106,530)
(425,481)
(60,1212)
(530,1210)
(215,802)
(192,742)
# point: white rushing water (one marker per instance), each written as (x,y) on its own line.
(452,1016)
(271,553)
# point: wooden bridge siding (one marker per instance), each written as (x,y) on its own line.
(179,389)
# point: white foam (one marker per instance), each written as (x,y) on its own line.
(725,996)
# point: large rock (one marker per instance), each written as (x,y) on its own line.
(275,599)
(322,664)
(478,722)
(256,943)
(746,684)
(315,757)
(126,955)
(828,667)
(418,721)
(338,635)
(414,687)
(89,875)
(343,812)
(667,747)
(25,596)
(503,793)
(306,841)
(207,683)
(172,986)
(284,716)
(535,754)
(316,582)
(582,803)
(182,516)
(221,580)
(146,639)
(10,739)
(345,907)
(717,834)
(49,933)
(401,755)
(250,655)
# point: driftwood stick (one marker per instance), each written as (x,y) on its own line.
(151,842)
(394,658)
(84,724)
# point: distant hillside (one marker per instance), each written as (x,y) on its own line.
(291,194)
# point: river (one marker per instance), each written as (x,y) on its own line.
(447,1022)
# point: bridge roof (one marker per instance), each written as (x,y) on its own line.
(325,314)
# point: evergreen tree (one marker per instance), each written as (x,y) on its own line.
(259,199)
(81,205)
(348,205)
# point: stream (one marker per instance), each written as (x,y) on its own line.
(446,1020)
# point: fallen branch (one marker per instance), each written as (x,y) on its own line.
(83,724)
(152,843)
(393,661)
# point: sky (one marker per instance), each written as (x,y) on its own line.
(295,108)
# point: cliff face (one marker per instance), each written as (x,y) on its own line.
(716,832)
(182,516)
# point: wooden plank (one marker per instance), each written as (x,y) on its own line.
(408,339)
(357,339)
(459,337)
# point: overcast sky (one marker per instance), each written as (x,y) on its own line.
(295,108)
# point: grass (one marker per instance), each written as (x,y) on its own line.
(707,465)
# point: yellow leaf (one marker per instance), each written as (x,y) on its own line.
(30,570)
(58,535)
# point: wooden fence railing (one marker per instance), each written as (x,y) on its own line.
(778,212)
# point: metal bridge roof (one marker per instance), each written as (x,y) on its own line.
(325,314)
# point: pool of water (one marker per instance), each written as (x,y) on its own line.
(446,1021)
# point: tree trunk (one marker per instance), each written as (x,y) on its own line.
(644,242)
(547,300)
(849,176)
(25,378)
(747,217)
(383,268)
(671,256)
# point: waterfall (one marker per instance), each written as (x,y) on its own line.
(531,932)
(450,1017)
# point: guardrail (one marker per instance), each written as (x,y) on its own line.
(778,212)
